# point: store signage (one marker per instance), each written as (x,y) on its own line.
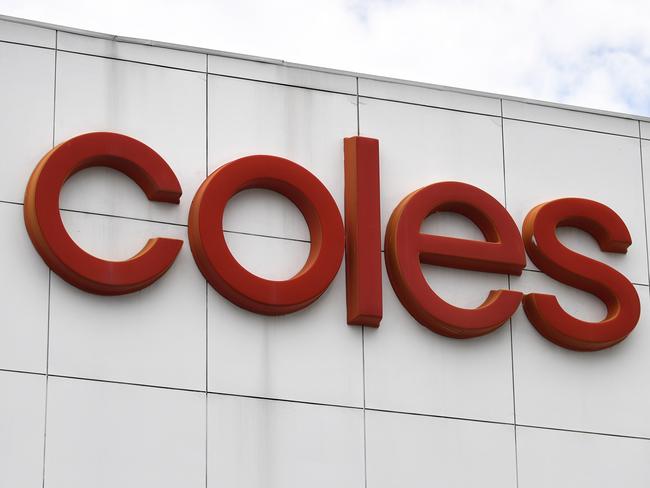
(406,248)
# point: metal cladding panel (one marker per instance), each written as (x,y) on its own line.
(645,130)
(174,385)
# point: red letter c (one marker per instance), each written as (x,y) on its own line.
(47,232)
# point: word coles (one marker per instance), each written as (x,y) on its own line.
(356,235)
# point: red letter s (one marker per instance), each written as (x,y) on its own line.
(581,272)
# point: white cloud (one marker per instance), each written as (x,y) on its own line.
(593,53)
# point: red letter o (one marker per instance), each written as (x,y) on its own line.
(220,267)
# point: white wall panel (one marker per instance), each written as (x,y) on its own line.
(286,75)
(27,34)
(22,429)
(305,126)
(604,391)
(131,52)
(419,146)
(23,296)
(544,163)
(256,443)
(163,108)
(412,369)
(107,435)
(155,336)
(645,130)
(569,460)
(310,355)
(570,118)
(418,452)
(645,158)
(430,96)
(26,118)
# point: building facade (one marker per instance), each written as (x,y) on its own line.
(175,386)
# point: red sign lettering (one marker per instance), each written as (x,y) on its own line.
(220,267)
(405,246)
(578,271)
(47,232)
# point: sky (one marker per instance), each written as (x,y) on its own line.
(593,53)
